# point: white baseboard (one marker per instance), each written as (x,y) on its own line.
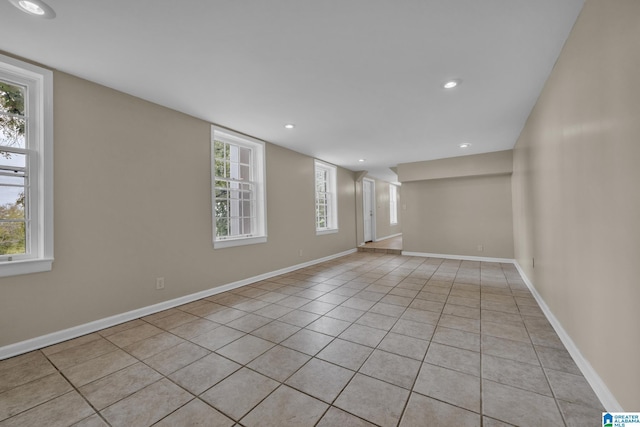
(460,257)
(599,387)
(387,237)
(87,328)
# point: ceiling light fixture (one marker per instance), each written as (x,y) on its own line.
(289,126)
(34,7)
(464,145)
(361,160)
(452,83)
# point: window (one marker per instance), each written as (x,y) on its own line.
(326,203)
(393,204)
(239,214)
(26,168)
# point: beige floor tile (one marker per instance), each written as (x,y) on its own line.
(404,345)
(519,407)
(204,373)
(293,302)
(279,362)
(239,393)
(299,318)
(466,302)
(358,303)
(318,307)
(81,353)
(387,309)
(576,415)
(320,379)
(413,329)
(337,417)
(516,374)
(93,421)
(98,367)
(501,317)
(196,413)
(147,406)
(422,410)
(329,326)
(152,345)
(245,349)
(364,335)
(274,311)
(217,338)
(422,316)
(333,299)
(249,323)
(131,335)
(450,386)
(462,323)
(175,358)
(65,345)
(509,349)
(422,304)
(286,407)
(272,297)
(308,342)
(392,368)
(62,411)
(509,331)
(23,369)
(557,359)
(378,321)
(206,308)
(251,305)
(31,394)
(120,384)
(275,331)
(121,327)
(345,313)
(454,358)
(461,311)
(572,388)
(174,320)
(226,315)
(195,328)
(373,400)
(491,422)
(457,338)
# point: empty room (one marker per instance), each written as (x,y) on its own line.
(331,213)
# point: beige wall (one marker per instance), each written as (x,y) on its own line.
(383,211)
(495,163)
(132,202)
(453,216)
(576,201)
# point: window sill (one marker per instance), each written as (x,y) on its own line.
(229,243)
(328,231)
(25,266)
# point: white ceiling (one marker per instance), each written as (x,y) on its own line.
(359,78)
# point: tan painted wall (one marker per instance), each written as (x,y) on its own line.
(497,162)
(576,200)
(132,203)
(453,216)
(383,212)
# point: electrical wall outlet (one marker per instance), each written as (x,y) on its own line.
(160,283)
(299,252)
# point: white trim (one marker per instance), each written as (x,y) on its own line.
(326,231)
(229,243)
(461,257)
(25,266)
(76,331)
(374,208)
(388,237)
(599,387)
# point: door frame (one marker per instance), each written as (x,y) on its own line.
(373,209)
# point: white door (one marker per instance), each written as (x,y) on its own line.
(367,209)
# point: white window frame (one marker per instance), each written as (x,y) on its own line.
(258,180)
(393,204)
(39,149)
(332,202)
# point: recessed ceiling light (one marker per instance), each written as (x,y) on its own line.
(452,83)
(34,7)
(362,160)
(289,126)
(464,145)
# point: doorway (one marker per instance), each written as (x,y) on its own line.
(368,209)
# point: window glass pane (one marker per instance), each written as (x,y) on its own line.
(12,131)
(11,202)
(246,223)
(12,238)
(11,99)
(245,173)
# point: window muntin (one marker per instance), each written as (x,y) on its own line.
(393,204)
(26,168)
(326,204)
(238,190)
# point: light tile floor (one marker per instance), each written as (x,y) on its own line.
(366,339)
